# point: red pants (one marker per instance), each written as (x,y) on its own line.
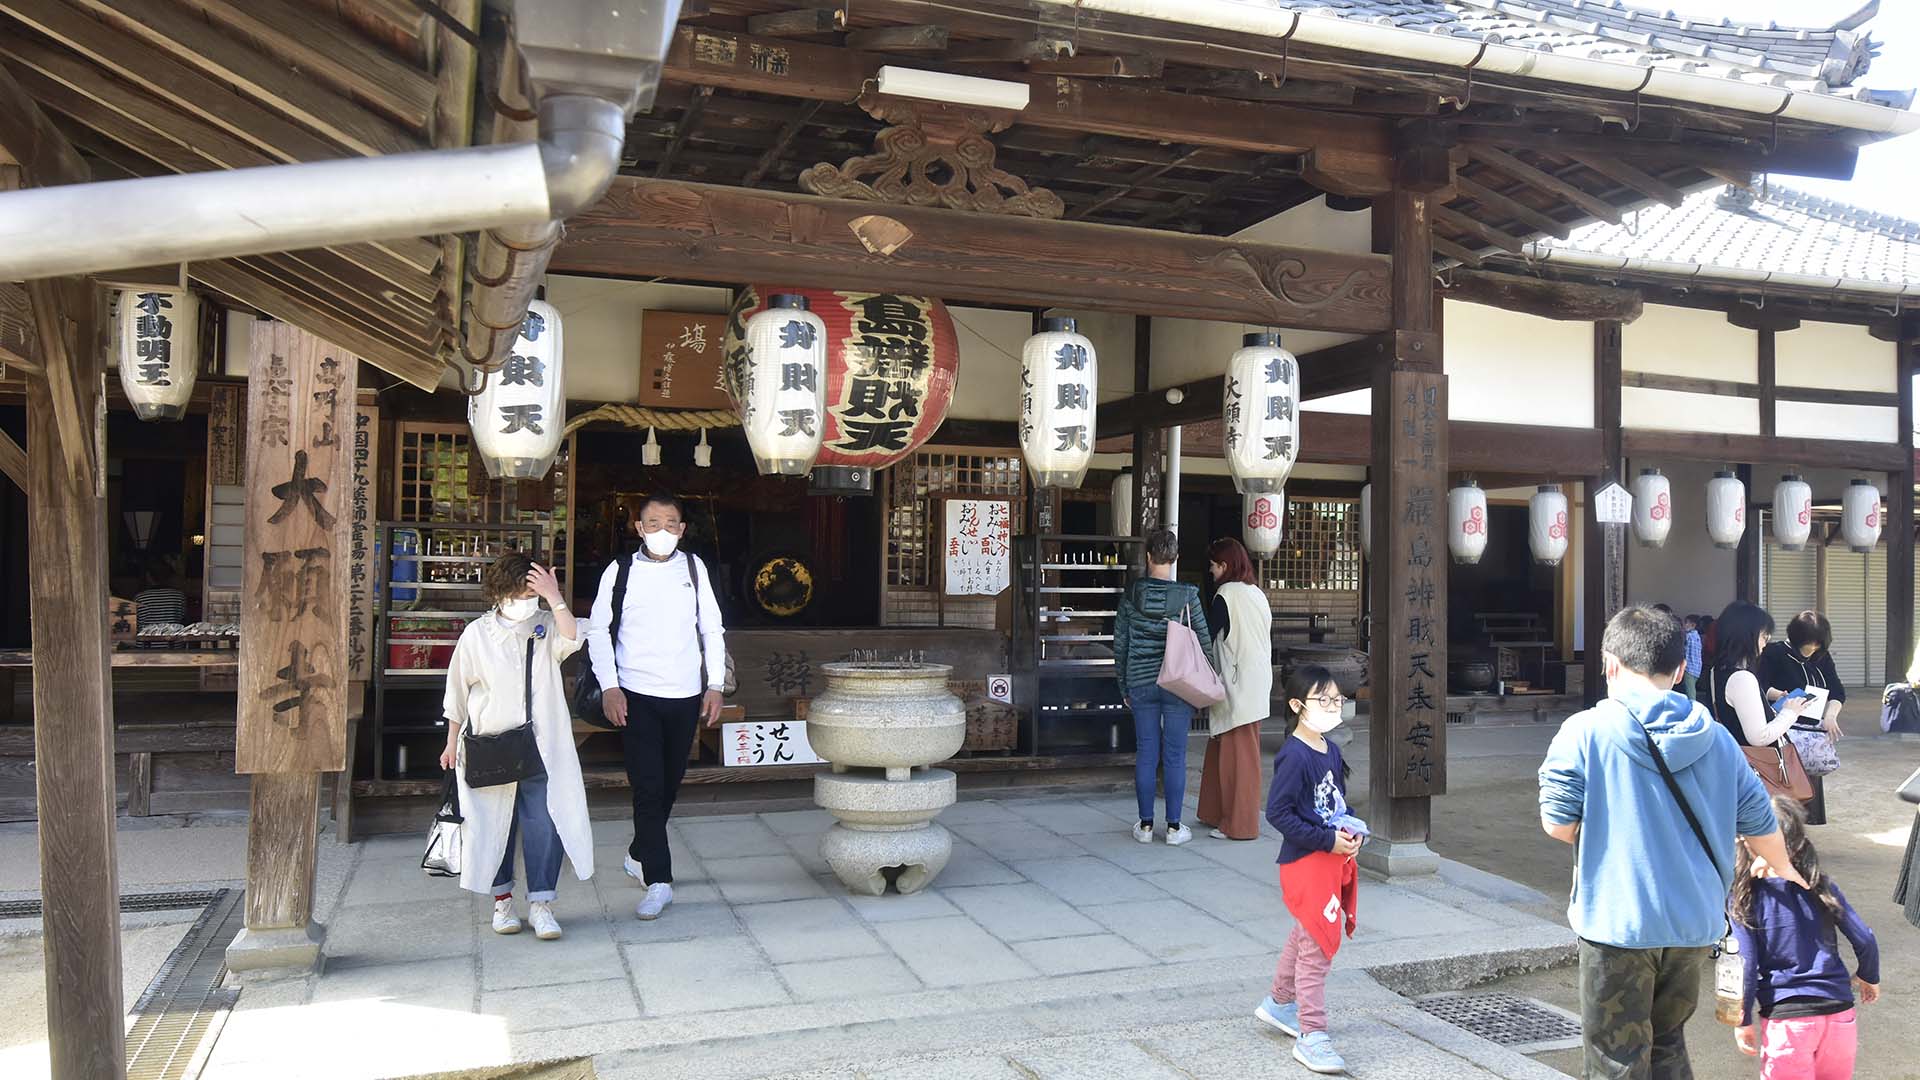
(1301,976)
(1809,1047)
(1230,795)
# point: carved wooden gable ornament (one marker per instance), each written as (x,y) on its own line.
(932,155)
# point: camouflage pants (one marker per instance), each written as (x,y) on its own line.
(1634,1005)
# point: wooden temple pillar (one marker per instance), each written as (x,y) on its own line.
(1149,439)
(1604,547)
(294,669)
(1746,567)
(1899,526)
(1407,735)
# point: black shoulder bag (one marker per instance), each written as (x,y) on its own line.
(1686,809)
(508,756)
(586,685)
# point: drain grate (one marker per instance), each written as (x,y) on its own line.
(1518,1023)
(177,1019)
(153,901)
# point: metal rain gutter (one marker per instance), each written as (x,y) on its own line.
(1542,252)
(1476,55)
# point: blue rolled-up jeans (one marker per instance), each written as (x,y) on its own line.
(1161,722)
(539,841)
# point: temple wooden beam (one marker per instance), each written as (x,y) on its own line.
(1900,593)
(1348,154)
(1779,451)
(13,460)
(1827,159)
(1567,301)
(660,228)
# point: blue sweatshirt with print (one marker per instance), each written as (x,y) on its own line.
(1309,790)
(1643,881)
(1791,953)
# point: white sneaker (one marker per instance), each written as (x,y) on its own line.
(633,869)
(659,895)
(1143,833)
(504,920)
(1179,835)
(545,926)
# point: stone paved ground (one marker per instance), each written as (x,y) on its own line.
(1053,945)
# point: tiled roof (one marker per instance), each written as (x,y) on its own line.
(1774,230)
(1821,59)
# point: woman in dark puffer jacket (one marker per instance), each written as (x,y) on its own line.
(1161,721)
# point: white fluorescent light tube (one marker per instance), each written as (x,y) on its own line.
(957,89)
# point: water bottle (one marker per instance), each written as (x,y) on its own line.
(1729,982)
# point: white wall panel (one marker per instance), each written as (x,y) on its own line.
(1859,423)
(1506,367)
(1683,341)
(1835,356)
(1672,410)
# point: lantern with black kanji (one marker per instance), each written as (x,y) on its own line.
(1652,508)
(891,364)
(1860,516)
(1059,379)
(1261,413)
(1726,510)
(1547,525)
(1264,513)
(783,381)
(157,337)
(518,418)
(1467,523)
(1792,512)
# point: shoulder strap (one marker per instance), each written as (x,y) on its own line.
(693,578)
(619,598)
(529,694)
(1680,797)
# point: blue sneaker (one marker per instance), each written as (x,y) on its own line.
(1275,1015)
(1316,1052)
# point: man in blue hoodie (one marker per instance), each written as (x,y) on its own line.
(1650,896)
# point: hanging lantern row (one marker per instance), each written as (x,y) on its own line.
(1726,510)
(1265,513)
(518,418)
(1261,414)
(157,338)
(1792,512)
(1059,381)
(1467,523)
(1122,499)
(1860,516)
(1652,508)
(1547,525)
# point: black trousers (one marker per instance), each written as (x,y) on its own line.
(658,736)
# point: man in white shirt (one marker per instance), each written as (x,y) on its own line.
(670,631)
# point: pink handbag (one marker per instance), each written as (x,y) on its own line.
(1184,670)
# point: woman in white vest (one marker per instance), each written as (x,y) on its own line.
(487,684)
(1242,624)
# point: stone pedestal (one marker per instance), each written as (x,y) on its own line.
(260,955)
(882,726)
(1398,858)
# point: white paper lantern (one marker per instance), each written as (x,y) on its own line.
(783,386)
(1265,513)
(1792,512)
(1122,500)
(157,337)
(1262,413)
(1726,510)
(1366,521)
(518,419)
(1860,516)
(1059,380)
(1547,525)
(1652,508)
(1467,523)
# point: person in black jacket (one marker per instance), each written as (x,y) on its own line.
(1803,661)
(1161,721)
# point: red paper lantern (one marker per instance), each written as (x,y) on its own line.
(891,364)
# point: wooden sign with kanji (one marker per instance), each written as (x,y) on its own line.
(294,675)
(680,360)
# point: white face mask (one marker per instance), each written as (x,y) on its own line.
(1321,722)
(518,610)
(661,543)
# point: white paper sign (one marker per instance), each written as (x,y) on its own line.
(1000,688)
(979,540)
(766,742)
(1612,505)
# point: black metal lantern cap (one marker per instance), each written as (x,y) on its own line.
(1857,482)
(1264,337)
(787,300)
(1649,472)
(1788,478)
(1065,323)
(1723,474)
(1549,487)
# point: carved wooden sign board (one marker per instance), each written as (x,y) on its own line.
(1413,689)
(681,360)
(363,506)
(301,422)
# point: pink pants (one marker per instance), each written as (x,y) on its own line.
(1809,1047)
(1301,976)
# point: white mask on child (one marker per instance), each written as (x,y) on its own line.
(1320,722)
(661,543)
(519,610)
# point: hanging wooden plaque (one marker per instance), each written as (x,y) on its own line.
(680,360)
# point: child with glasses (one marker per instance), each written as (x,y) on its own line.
(1307,802)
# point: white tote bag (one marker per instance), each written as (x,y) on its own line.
(443,856)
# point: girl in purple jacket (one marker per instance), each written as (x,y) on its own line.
(1795,979)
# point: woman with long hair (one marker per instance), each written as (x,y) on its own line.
(1242,624)
(1803,661)
(1733,684)
(511,652)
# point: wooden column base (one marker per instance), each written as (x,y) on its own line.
(283,830)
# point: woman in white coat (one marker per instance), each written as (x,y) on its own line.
(486,692)
(1242,623)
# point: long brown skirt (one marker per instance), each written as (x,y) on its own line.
(1230,783)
